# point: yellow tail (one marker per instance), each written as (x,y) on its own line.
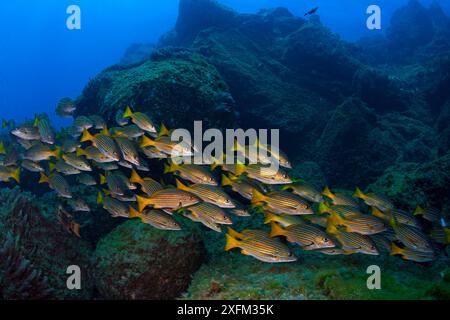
(16,175)
(43,178)
(257,197)
(447,234)
(226,181)
(51,166)
(128,112)
(86,136)
(105,132)
(102,179)
(163,131)
(327,192)
(395,250)
(57,153)
(135,178)
(419,211)
(2,148)
(231,243)
(181,186)
(378,213)
(276,230)
(146,142)
(323,207)
(134,213)
(99,197)
(240,169)
(269,217)
(80,152)
(142,202)
(76,229)
(359,194)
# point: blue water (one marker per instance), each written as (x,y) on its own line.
(42,61)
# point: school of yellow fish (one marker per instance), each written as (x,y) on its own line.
(115,160)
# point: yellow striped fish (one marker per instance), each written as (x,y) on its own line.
(104,143)
(168,199)
(57,183)
(264,173)
(282,202)
(339,198)
(207,193)
(140,119)
(411,237)
(92,153)
(374,200)
(353,242)
(62,167)
(192,172)
(41,152)
(430,214)
(45,131)
(148,185)
(77,162)
(156,218)
(362,223)
(114,207)
(239,185)
(32,166)
(400,216)
(258,246)
(306,236)
(208,211)
(282,219)
(207,223)
(305,190)
(411,254)
(129,152)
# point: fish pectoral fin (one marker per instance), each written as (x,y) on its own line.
(245,252)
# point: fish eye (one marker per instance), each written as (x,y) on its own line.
(326,240)
(227,201)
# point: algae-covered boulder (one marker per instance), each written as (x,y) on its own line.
(412,184)
(36,252)
(175,86)
(137,261)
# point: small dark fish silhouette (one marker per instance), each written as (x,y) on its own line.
(312,11)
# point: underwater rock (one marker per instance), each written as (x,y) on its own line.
(137,261)
(412,184)
(195,16)
(175,86)
(442,126)
(29,235)
(137,53)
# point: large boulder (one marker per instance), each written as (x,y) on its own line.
(137,261)
(36,252)
(175,86)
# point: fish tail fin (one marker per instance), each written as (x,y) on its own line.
(226,181)
(240,169)
(51,166)
(76,230)
(276,230)
(323,207)
(87,136)
(181,186)
(392,222)
(419,211)
(163,131)
(36,120)
(146,142)
(167,169)
(234,233)
(106,192)
(268,217)
(231,241)
(447,235)
(257,197)
(358,193)
(102,179)
(4,124)
(395,250)
(2,148)
(80,152)
(57,153)
(99,197)
(43,178)
(331,228)
(128,112)
(135,178)
(105,132)
(134,213)
(142,202)
(327,192)
(16,175)
(378,213)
